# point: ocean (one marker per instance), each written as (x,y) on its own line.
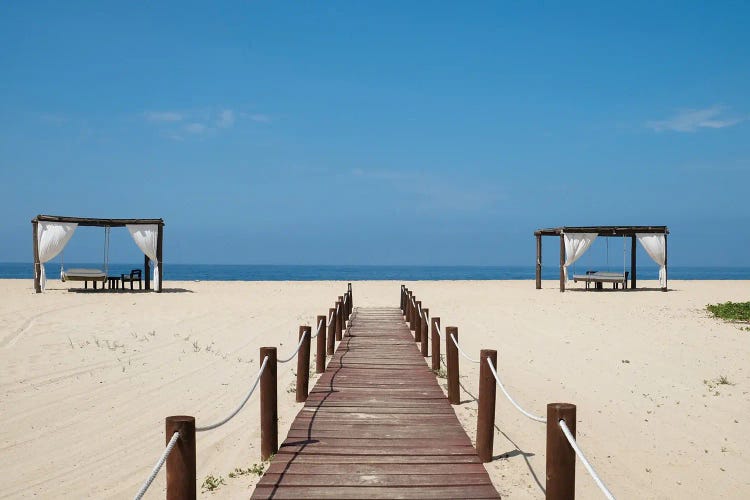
(211,272)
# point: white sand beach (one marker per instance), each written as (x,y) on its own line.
(88,378)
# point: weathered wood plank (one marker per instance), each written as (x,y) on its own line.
(382,468)
(376,425)
(357,492)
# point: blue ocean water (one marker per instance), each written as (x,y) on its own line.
(210,272)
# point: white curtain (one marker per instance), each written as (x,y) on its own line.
(146,237)
(52,238)
(656,247)
(576,245)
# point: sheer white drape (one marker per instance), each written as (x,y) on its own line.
(656,247)
(52,238)
(576,245)
(146,237)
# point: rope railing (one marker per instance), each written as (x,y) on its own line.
(301,341)
(586,464)
(317,331)
(242,404)
(157,467)
(562,448)
(182,470)
(513,401)
(458,346)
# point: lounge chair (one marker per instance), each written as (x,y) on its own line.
(85,275)
(135,275)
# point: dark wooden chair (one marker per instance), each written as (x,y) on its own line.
(135,275)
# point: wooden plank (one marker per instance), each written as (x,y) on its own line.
(357,492)
(379,442)
(431,469)
(312,458)
(376,425)
(374,479)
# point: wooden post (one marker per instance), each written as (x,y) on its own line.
(412,307)
(159,259)
(418,322)
(401,300)
(451,355)
(435,344)
(666,273)
(269,417)
(538,261)
(146,272)
(331,337)
(181,461)
(407,314)
(351,298)
(303,364)
(320,347)
(424,329)
(561,459)
(37,264)
(562,263)
(486,413)
(340,318)
(632,262)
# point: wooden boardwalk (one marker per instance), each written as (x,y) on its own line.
(376,425)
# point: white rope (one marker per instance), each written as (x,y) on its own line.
(586,463)
(500,384)
(422,313)
(437,329)
(453,338)
(235,412)
(158,466)
(301,340)
(320,325)
(346,297)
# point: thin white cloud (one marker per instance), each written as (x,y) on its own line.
(179,125)
(54,118)
(163,116)
(691,120)
(225,119)
(195,128)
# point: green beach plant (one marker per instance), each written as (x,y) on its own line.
(212,483)
(737,312)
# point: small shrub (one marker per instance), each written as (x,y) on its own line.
(212,483)
(714,383)
(731,311)
(256,469)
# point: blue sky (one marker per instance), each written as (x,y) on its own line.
(376,132)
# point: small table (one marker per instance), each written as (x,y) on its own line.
(114,282)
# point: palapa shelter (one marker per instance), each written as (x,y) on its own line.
(52,233)
(575,240)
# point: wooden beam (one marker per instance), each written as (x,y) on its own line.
(538,261)
(37,265)
(603,230)
(147,271)
(632,262)
(159,241)
(562,263)
(666,273)
(88,221)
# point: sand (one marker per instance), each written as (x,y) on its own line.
(87,379)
